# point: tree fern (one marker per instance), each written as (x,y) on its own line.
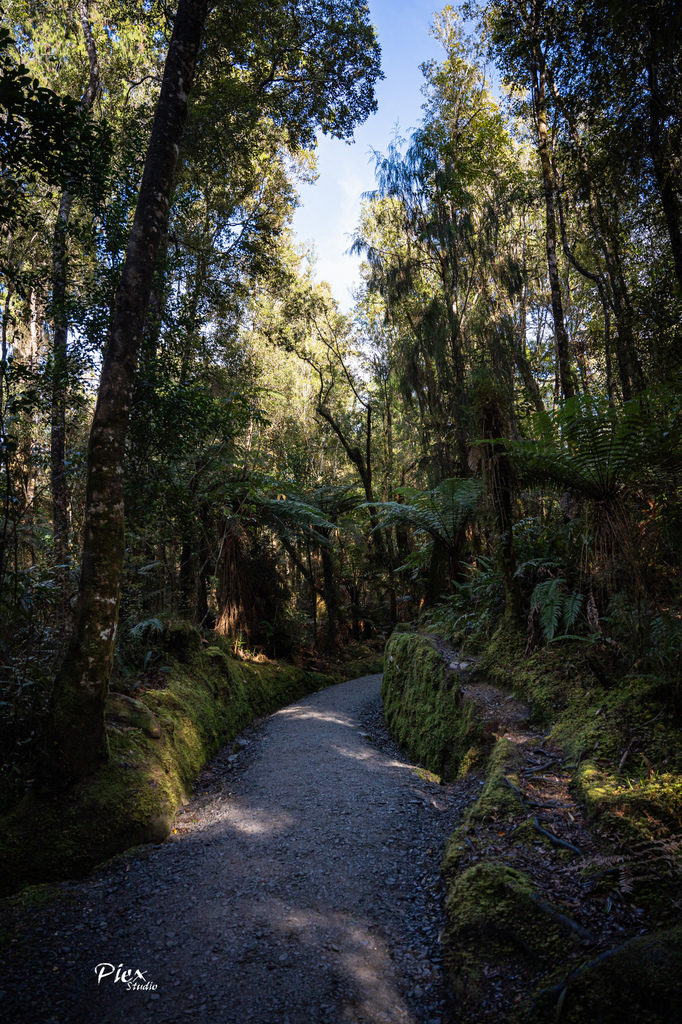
(441,513)
(291,515)
(594,448)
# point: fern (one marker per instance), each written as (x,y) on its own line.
(141,627)
(291,515)
(644,861)
(555,605)
(594,448)
(441,513)
(548,600)
(573,604)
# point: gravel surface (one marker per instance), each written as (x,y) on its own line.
(301,887)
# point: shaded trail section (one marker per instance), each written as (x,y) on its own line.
(302,890)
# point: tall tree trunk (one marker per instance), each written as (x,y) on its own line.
(76,739)
(203,611)
(331,596)
(58,478)
(363,464)
(27,352)
(7,484)
(521,359)
(235,599)
(545,154)
(188,573)
(313,596)
(437,583)
(667,179)
(498,476)
(58,481)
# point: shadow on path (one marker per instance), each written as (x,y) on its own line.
(303,896)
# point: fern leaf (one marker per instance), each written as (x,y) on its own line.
(548,600)
(573,603)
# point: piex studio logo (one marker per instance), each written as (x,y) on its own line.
(131,978)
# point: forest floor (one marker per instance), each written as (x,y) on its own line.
(301,885)
(531,822)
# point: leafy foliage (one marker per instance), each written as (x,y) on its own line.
(441,512)
(557,606)
(597,449)
(44,137)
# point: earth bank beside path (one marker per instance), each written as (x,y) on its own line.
(301,886)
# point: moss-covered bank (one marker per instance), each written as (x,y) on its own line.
(424,707)
(620,734)
(209,698)
(619,746)
(494,920)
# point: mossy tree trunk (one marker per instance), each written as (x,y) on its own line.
(58,478)
(499,480)
(75,739)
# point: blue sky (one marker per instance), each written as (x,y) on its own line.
(330,208)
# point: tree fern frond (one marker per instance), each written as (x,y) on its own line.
(595,448)
(441,512)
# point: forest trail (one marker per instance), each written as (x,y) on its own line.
(302,888)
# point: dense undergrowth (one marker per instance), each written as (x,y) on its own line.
(158,741)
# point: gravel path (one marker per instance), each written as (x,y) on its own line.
(301,887)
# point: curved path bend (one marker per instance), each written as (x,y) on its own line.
(301,887)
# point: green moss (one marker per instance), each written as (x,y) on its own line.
(495,919)
(461,844)
(498,799)
(424,708)
(133,798)
(427,776)
(526,834)
(639,982)
(593,717)
(639,804)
